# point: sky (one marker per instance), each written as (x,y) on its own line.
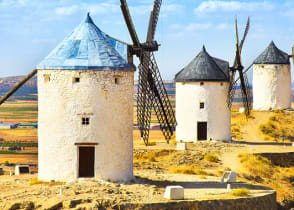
(30,29)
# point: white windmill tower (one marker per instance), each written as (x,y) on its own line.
(202,111)
(85,123)
(272,80)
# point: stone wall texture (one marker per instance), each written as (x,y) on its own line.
(63,103)
(280,159)
(265,202)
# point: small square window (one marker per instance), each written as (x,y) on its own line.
(85,121)
(76,79)
(201,105)
(46,78)
(201,83)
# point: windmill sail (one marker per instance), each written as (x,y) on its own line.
(151,90)
(244,84)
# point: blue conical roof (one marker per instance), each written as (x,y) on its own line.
(85,48)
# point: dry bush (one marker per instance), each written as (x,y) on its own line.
(151,156)
(36,181)
(256,165)
(279,127)
(187,170)
(150,143)
(211,158)
(241,192)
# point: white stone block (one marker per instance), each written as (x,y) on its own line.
(181,146)
(241,110)
(229,176)
(22,169)
(174,193)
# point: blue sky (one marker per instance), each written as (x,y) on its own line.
(30,29)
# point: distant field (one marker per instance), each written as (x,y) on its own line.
(19,112)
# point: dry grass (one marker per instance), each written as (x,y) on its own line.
(211,158)
(279,127)
(261,170)
(36,181)
(187,170)
(256,165)
(241,192)
(151,156)
(150,143)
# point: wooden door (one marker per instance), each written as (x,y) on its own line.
(86,161)
(202,131)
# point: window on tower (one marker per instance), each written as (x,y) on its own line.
(46,78)
(85,120)
(116,81)
(76,80)
(201,105)
(201,83)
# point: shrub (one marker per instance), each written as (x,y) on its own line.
(203,177)
(211,158)
(150,143)
(36,181)
(6,163)
(241,192)
(256,165)
(187,170)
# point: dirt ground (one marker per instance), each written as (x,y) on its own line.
(151,178)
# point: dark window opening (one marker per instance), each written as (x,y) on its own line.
(85,121)
(46,78)
(201,105)
(116,81)
(76,79)
(201,83)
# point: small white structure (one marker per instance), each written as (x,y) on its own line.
(181,146)
(229,176)
(8,125)
(272,80)
(174,193)
(202,111)
(85,104)
(22,169)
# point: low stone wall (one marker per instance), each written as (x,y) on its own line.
(280,159)
(265,202)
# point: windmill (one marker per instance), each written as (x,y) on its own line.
(151,90)
(238,67)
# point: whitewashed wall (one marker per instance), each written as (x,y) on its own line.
(216,112)
(271,86)
(63,103)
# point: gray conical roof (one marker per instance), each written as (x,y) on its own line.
(204,68)
(272,55)
(85,48)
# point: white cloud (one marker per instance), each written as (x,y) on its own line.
(229,6)
(222,26)
(66,11)
(197,26)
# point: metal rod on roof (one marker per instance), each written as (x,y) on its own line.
(111,37)
(13,90)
